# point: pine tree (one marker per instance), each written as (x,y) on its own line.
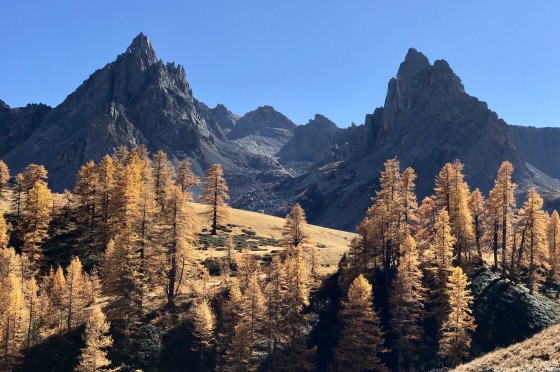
(215,196)
(185,177)
(203,327)
(501,204)
(4,178)
(361,339)
(553,238)
(534,250)
(455,342)
(406,302)
(477,206)
(294,231)
(97,340)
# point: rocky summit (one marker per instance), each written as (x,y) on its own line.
(427,119)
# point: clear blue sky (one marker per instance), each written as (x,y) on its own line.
(302,57)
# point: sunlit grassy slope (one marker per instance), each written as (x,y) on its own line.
(538,353)
(330,243)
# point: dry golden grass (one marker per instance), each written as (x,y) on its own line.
(332,244)
(538,353)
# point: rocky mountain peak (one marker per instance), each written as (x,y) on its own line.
(414,62)
(142,49)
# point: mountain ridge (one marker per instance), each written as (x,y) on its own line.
(270,162)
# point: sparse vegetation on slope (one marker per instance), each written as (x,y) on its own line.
(540,353)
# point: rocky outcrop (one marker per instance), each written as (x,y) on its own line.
(16,125)
(506,313)
(262,131)
(311,142)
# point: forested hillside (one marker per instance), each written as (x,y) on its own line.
(125,271)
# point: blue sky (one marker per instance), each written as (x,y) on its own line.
(302,57)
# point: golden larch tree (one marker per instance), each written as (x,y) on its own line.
(203,327)
(147,228)
(500,207)
(274,295)
(4,233)
(456,331)
(106,174)
(294,232)
(97,342)
(163,177)
(37,215)
(451,193)
(185,178)
(122,281)
(177,238)
(125,196)
(32,174)
(18,194)
(4,178)
(12,320)
(76,293)
(386,214)
(86,189)
(215,195)
(361,340)
(553,237)
(34,312)
(249,331)
(442,241)
(58,297)
(409,201)
(534,250)
(406,302)
(477,206)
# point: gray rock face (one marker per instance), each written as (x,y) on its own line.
(262,131)
(16,125)
(311,142)
(539,146)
